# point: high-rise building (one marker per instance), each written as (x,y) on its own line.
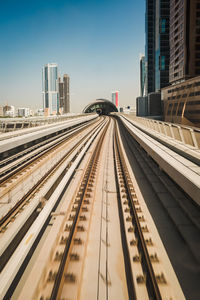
(181,99)
(184,39)
(157,44)
(66,81)
(64,94)
(142,75)
(50,89)
(115,98)
(162,50)
(61,95)
(150,45)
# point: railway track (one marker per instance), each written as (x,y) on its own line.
(131,210)
(79,218)
(94,222)
(8,219)
(170,208)
(52,202)
(16,163)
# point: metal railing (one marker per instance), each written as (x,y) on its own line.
(184,134)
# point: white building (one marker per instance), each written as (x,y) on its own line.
(9,111)
(24,112)
(50,89)
(39,112)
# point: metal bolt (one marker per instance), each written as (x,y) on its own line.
(136,258)
(133,242)
(161,279)
(129,219)
(84,208)
(70,277)
(145,228)
(74,256)
(68,227)
(154,258)
(77,241)
(82,218)
(149,242)
(130,229)
(141,279)
(127,210)
(80,228)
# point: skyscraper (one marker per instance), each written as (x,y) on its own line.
(162,50)
(64,94)
(150,45)
(66,81)
(142,75)
(184,39)
(181,99)
(50,89)
(61,95)
(157,44)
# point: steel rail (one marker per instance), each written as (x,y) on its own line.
(151,282)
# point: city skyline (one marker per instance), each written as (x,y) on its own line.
(96,42)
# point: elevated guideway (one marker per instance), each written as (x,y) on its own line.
(12,143)
(178,155)
(104,206)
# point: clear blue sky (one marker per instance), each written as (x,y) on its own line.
(96,42)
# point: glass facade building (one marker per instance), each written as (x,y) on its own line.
(184,39)
(50,89)
(157,44)
(142,75)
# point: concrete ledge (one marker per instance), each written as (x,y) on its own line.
(13,142)
(185,173)
(188,151)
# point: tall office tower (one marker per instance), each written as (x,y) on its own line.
(61,95)
(142,75)
(66,92)
(157,44)
(150,45)
(162,50)
(50,89)
(115,98)
(184,39)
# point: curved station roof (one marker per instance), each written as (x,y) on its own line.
(100,106)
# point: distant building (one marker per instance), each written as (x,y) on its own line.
(142,106)
(24,112)
(64,94)
(39,112)
(9,111)
(61,95)
(66,81)
(50,89)
(1,111)
(115,98)
(129,110)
